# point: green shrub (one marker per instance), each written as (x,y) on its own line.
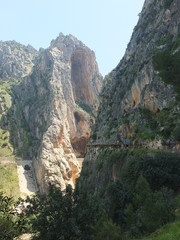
(27,167)
(116,197)
(107,133)
(105,229)
(167,3)
(159,168)
(148,210)
(85,107)
(52,215)
(4,144)
(176,133)
(99,165)
(170,231)
(151,121)
(167,62)
(11,224)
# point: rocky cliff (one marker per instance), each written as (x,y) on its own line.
(140,103)
(140,98)
(16,60)
(53,109)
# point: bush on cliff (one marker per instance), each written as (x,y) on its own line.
(11,225)
(52,215)
(105,229)
(142,198)
(159,168)
(66,215)
(176,133)
(148,210)
(166,62)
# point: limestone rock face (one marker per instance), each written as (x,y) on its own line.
(81,84)
(139,100)
(83,64)
(135,88)
(59,100)
(16,60)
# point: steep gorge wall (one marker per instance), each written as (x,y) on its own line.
(83,64)
(56,113)
(139,99)
(16,62)
(136,94)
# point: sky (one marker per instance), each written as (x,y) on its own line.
(105,26)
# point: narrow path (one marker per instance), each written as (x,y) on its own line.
(26,236)
(166,147)
(5,160)
(115,145)
(27,182)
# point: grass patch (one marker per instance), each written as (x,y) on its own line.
(169,232)
(5,152)
(9,183)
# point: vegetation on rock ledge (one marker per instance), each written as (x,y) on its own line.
(142,197)
(166,61)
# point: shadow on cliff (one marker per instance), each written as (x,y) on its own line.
(15,135)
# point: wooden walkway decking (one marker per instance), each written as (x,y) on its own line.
(118,145)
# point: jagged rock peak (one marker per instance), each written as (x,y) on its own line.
(16,60)
(66,40)
(85,77)
(66,44)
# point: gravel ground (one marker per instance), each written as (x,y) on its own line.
(27,183)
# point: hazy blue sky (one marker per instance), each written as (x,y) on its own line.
(105,26)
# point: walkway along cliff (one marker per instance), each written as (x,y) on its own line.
(140,99)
